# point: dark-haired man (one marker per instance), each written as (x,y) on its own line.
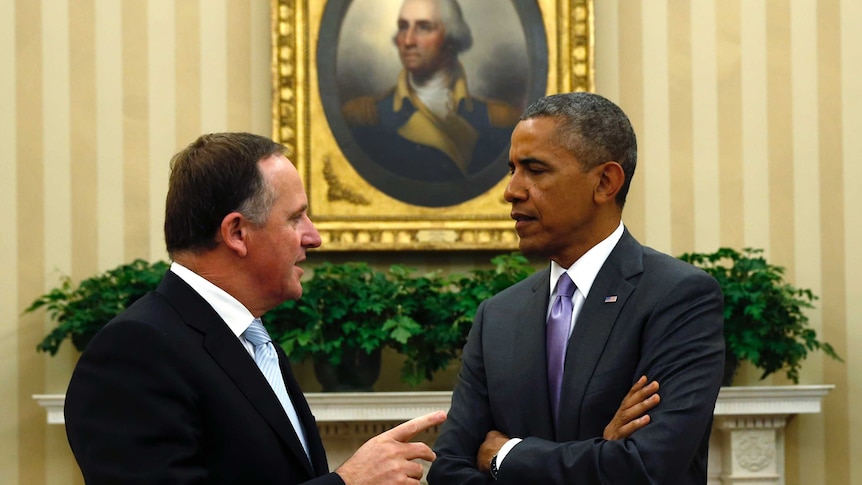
(548,360)
(185,387)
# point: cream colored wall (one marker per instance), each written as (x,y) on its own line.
(747,111)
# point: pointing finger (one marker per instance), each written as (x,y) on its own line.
(405,431)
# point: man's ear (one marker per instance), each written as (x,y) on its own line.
(234,232)
(611,179)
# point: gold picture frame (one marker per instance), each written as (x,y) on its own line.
(352,213)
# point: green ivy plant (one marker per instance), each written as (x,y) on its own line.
(444,307)
(352,306)
(426,317)
(80,311)
(764,316)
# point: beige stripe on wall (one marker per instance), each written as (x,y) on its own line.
(188,72)
(806,172)
(851,95)
(9,371)
(214,69)
(31,234)
(163,118)
(607,66)
(109,137)
(682,161)
(779,111)
(654,147)
(82,121)
(755,157)
(704,127)
(631,79)
(806,220)
(135,130)
(239,66)
(70,198)
(56,113)
(731,196)
(836,406)
(261,79)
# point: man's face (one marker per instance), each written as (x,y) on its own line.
(421,37)
(278,246)
(552,197)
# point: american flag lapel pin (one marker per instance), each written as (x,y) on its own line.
(611,299)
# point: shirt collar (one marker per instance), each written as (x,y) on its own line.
(459,90)
(235,314)
(584,271)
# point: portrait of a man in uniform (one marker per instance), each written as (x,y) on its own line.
(428,126)
(422,95)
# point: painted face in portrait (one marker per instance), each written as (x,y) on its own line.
(421,38)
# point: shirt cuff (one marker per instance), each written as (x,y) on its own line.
(505,449)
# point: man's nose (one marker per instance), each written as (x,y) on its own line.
(410,35)
(514,190)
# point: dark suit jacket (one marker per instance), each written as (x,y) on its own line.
(666,323)
(166,393)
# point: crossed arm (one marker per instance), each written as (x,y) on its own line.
(630,417)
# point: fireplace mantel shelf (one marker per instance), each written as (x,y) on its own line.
(400,406)
(747,443)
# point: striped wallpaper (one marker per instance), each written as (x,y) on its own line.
(747,111)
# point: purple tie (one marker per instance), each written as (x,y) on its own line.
(557,336)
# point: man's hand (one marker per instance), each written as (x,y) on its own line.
(494,440)
(631,416)
(386,458)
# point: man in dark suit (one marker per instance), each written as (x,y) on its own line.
(170,391)
(634,312)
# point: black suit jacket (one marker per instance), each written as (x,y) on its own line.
(166,393)
(647,314)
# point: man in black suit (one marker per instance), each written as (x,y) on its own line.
(170,392)
(634,312)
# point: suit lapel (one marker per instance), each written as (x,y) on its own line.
(309,424)
(529,358)
(223,346)
(593,327)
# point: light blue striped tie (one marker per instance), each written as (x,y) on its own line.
(267,360)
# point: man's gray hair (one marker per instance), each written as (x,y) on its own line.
(457,31)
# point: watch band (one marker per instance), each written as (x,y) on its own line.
(494,469)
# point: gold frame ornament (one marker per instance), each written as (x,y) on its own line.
(351,213)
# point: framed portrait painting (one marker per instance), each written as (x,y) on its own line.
(398,113)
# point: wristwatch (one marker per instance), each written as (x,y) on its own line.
(494,469)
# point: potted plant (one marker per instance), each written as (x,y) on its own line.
(349,312)
(764,316)
(80,311)
(446,313)
(427,317)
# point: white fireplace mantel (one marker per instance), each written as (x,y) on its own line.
(747,443)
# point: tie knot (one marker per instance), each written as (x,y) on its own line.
(565,286)
(256,334)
